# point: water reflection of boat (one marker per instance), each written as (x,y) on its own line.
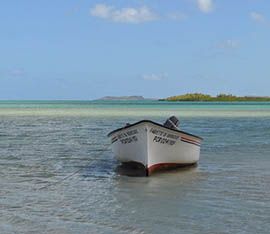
(152,146)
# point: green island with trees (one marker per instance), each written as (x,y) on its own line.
(199,97)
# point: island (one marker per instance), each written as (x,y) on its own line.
(199,97)
(122,98)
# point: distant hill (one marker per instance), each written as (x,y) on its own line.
(122,98)
(199,97)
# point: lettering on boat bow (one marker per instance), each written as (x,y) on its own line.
(128,137)
(163,137)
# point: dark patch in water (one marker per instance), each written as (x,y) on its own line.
(131,169)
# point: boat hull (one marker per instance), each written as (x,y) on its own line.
(155,146)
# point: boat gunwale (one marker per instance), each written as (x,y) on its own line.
(152,122)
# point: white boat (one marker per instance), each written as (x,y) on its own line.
(155,146)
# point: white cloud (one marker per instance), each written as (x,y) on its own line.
(205,6)
(228,44)
(155,77)
(101,10)
(123,15)
(257,17)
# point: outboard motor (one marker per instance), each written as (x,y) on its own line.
(172,123)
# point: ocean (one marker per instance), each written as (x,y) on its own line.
(58,174)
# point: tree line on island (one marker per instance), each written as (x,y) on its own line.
(199,97)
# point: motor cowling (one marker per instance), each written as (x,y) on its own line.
(172,122)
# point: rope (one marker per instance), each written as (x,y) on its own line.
(75,172)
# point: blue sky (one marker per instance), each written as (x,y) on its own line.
(87,49)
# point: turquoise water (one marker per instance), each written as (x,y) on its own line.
(132,108)
(42,142)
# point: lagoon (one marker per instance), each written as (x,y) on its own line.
(42,142)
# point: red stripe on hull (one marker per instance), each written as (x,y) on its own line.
(190,140)
(164,166)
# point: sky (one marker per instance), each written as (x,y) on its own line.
(86,49)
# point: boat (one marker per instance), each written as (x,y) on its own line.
(153,146)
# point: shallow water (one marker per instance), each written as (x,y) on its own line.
(43,142)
